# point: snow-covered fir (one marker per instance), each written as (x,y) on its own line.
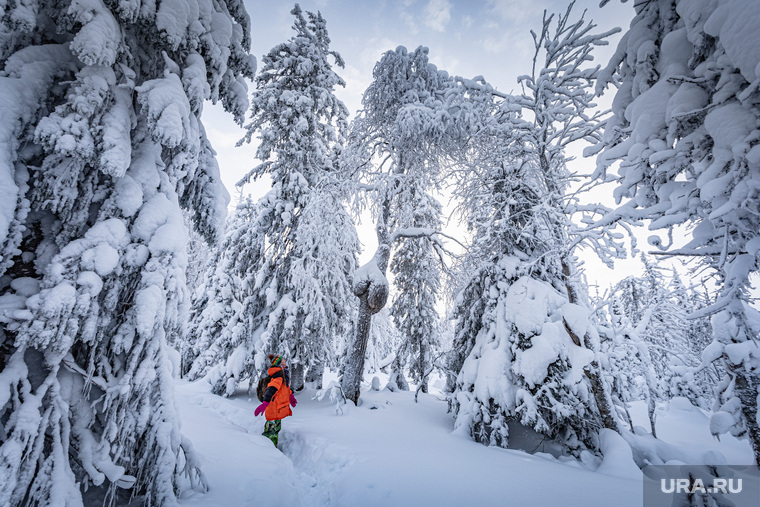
(101,143)
(526,347)
(284,277)
(218,326)
(416,278)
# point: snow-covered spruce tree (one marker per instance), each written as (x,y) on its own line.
(217,303)
(100,144)
(624,366)
(685,130)
(510,311)
(199,253)
(296,293)
(628,360)
(324,259)
(526,345)
(412,113)
(416,271)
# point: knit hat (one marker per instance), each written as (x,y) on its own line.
(276,360)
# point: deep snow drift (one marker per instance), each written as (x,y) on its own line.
(393,451)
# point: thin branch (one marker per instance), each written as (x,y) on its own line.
(693,253)
(433,364)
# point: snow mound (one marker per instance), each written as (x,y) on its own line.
(618,458)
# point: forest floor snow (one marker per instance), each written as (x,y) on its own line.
(391,451)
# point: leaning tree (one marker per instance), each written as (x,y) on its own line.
(413,117)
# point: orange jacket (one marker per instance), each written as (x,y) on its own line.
(279,406)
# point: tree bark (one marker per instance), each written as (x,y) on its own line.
(651,407)
(601,395)
(296,377)
(372,298)
(352,375)
(424,359)
(746,389)
(603,402)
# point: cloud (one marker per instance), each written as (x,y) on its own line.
(356,82)
(498,43)
(437,14)
(371,52)
(514,10)
(517,45)
(410,22)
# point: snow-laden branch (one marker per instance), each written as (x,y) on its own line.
(421,232)
(474,84)
(254,173)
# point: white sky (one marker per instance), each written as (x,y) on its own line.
(467,38)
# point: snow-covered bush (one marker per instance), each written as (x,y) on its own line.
(652,312)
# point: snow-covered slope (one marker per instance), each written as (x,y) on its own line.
(391,451)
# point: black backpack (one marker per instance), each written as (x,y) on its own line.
(264,381)
(261,388)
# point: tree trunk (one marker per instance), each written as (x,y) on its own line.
(629,419)
(397,378)
(746,389)
(424,361)
(354,369)
(372,294)
(296,377)
(314,375)
(602,398)
(454,364)
(594,373)
(651,407)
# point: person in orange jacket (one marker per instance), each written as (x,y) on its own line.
(278,399)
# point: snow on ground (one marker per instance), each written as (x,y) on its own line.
(393,451)
(687,427)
